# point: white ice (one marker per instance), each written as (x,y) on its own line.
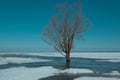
(96,78)
(22,73)
(20,60)
(110,60)
(76,71)
(115,73)
(112,56)
(98,55)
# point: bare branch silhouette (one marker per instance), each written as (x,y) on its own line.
(64,27)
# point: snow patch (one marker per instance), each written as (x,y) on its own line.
(76,71)
(114,60)
(96,78)
(115,73)
(96,55)
(23,73)
(20,60)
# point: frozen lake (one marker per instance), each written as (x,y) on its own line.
(52,62)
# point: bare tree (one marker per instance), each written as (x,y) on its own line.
(64,27)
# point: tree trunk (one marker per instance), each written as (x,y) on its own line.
(67,60)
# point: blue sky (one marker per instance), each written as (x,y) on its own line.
(22,22)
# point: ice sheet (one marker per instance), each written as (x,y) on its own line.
(96,78)
(22,73)
(20,60)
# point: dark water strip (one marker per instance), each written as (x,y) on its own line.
(59,63)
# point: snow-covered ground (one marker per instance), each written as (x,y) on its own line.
(76,71)
(24,73)
(19,60)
